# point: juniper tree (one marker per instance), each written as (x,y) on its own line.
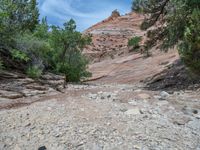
(177,24)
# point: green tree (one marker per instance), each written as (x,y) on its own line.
(177,25)
(41,30)
(36,47)
(67,55)
(16,17)
(189,48)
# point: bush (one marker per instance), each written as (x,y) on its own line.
(34,72)
(37,49)
(134,42)
(76,69)
(19,55)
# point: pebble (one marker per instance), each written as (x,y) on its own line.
(144,96)
(138,90)
(135,111)
(161,103)
(197,116)
(164,95)
(181,120)
(134,103)
(42,148)
(189,111)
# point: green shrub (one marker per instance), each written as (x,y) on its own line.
(36,48)
(34,72)
(19,55)
(134,42)
(189,49)
(76,69)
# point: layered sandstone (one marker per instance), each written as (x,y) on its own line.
(110,37)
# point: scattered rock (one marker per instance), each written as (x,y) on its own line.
(17,147)
(144,96)
(135,111)
(123,110)
(2,146)
(134,103)
(164,95)
(137,147)
(42,148)
(189,111)
(92,96)
(157,97)
(181,120)
(109,96)
(161,103)
(102,97)
(197,116)
(138,90)
(72,121)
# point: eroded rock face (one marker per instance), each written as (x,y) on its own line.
(14,87)
(110,37)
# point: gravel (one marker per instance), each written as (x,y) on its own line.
(93,119)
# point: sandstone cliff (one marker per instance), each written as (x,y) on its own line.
(110,37)
(111,58)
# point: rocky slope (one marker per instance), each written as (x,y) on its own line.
(131,69)
(110,37)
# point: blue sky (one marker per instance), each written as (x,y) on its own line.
(84,12)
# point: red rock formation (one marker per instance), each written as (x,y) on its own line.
(110,37)
(110,41)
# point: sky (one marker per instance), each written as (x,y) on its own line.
(85,12)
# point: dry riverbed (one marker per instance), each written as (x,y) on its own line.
(104,117)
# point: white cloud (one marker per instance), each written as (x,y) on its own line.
(62,10)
